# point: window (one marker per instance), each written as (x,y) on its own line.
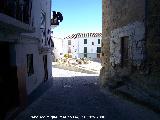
(98,49)
(92,43)
(30,69)
(85,41)
(99,41)
(69,42)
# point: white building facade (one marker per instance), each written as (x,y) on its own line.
(83,45)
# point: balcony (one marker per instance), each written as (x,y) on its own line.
(56,18)
(15,15)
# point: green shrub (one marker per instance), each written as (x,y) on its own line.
(66,55)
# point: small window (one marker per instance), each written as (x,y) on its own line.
(92,43)
(99,41)
(69,42)
(85,41)
(30,69)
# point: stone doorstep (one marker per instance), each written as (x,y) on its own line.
(139,96)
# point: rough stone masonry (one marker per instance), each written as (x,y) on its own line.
(130,39)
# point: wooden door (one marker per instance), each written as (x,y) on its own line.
(9,95)
(124,51)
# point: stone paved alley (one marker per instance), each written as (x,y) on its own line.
(75,95)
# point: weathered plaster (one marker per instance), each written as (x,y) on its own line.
(136,45)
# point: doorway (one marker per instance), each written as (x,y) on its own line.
(85,52)
(124,51)
(8,81)
(98,52)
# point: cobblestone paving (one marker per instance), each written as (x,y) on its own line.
(77,96)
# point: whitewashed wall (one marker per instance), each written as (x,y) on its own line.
(77,46)
(37,7)
(136,48)
(58,47)
(29,43)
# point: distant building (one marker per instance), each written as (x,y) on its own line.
(83,45)
(25,49)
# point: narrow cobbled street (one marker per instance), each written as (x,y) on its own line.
(75,95)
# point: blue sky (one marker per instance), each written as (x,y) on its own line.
(78,16)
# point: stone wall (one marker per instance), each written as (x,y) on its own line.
(120,19)
(104,72)
(153,35)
